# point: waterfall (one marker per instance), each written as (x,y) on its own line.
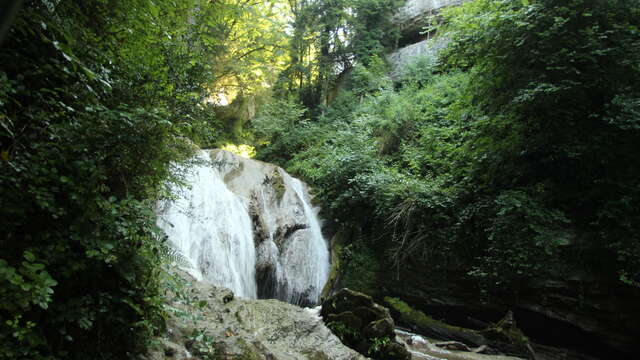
(248,226)
(211,227)
(306,258)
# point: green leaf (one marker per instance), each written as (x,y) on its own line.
(28,255)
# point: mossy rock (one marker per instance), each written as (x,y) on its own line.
(370,314)
(380,329)
(503,336)
(363,325)
(278,184)
(426,325)
(346,318)
(317,355)
(345,300)
(393,351)
(337,242)
(249,351)
(506,333)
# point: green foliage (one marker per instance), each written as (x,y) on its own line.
(360,267)
(504,155)
(277,125)
(28,285)
(342,330)
(562,77)
(524,238)
(369,79)
(349,335)
(276,117)
(98,101)
(517,143)
(329,37)
(377,345)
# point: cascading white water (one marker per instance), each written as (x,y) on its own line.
(211,227)
(232,209)
(305,261)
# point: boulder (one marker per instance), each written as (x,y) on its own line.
(363,325)
(204,324)
(379,328)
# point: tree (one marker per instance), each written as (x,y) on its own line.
(560,78)
(98,103)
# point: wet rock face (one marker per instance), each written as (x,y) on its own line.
(363,325)
(249,226)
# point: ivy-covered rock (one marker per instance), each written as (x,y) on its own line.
(363,325)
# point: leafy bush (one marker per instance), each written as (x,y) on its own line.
(90,127)
(561,77)
(524,239)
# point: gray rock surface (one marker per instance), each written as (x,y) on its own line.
(424,348)
(407,55)
(203,326)
(415,14)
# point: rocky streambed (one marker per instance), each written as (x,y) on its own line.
(422,348)
(209,322)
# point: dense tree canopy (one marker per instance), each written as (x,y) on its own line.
(329,37)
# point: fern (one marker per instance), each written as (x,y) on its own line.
(169,254)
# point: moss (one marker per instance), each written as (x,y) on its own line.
(507,331)
(249,352)
(337,243)
(238,317)
(360,267)
(278,184)
(409,315)
(504,335)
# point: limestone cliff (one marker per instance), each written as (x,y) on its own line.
(411,18)
(416,14)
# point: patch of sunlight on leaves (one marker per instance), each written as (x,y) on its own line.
(244,150)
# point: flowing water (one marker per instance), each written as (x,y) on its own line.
(422,348)
(211,227)
(304,262)
(210,223)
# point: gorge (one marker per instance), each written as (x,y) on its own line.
(450,179)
